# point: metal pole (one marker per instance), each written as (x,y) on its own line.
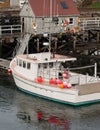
(27,19)
(50,26)
(95,69)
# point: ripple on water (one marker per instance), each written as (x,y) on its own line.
(19,111)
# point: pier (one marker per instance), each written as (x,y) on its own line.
(81,41)
(4,64)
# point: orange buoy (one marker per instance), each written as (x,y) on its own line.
(53,81)
(50,81)
(61,85)
(59,81)
(39,79)
(65,74)
(9,71)
(65,84)
(69,85)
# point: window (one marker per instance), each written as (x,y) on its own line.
(28,66)
(71,20)
(64,4)
(20,62)
(24,64)
(39,65)
(17,61)
(50,65)
(45,65)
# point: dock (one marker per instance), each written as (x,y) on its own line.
(4,64)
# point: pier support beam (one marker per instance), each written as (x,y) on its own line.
(1,48)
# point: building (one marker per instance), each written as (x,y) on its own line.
(49,16)
(17,3)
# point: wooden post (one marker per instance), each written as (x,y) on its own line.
(98,34)
(74,43)
(55,43)
(38,48)
(1,48)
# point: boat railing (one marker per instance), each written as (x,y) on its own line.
(92,79)
(73,77)
(80,79)
(77,78)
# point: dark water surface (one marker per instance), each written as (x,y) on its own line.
(19,111)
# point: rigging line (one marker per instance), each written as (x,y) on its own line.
(90,66)
(75,68)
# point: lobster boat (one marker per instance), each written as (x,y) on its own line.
(43,75)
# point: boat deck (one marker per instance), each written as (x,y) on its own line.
(89,88)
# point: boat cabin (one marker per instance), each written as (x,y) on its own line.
(42,64)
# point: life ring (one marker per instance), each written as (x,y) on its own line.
(66,74)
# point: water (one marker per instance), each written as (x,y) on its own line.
(19,111)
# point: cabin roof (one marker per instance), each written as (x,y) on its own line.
(59,7)
(58,58)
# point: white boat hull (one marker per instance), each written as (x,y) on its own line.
(67,96)
(27,70)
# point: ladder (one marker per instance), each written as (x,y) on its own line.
(19,49)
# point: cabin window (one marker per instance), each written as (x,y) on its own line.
(50,65)
(45,65)
(28,66)
(71,21)
(17,62)
(20,62)
(24,64)
(39,65)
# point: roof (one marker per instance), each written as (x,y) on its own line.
(46,58)
(59,7)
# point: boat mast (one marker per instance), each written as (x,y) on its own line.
(27,27)
(50,26)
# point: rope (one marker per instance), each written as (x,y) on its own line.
(75,68)
(90,66)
